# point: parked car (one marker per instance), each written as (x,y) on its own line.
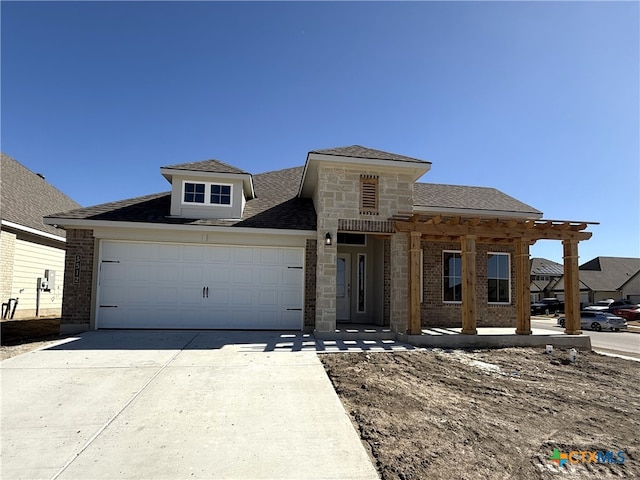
(619,304)
(546,306)
(629,313)
(600,306)
(594,320)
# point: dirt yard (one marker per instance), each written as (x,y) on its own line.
(488,415)
(492,414)
(21,336)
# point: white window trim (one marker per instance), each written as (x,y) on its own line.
(508,255)
(364,283)
(449,302)
(207,194)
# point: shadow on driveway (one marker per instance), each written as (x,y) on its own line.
(248,341)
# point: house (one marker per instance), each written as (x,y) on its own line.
(31,253)
(544,274)
(349,237)
(606,277)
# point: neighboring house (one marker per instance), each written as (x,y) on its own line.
(31,253)
(350,237)
(607,277)
(544,274)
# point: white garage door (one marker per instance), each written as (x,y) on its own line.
(156,285)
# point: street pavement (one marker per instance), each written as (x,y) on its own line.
(622,343)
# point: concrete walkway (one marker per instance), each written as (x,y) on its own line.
(177,405)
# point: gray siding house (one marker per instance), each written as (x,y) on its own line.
(31,253)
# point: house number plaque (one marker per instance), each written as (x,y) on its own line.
(76,270)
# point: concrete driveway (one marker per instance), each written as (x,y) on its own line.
(176,405)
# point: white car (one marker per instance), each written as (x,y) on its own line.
(598,321)
(600,306)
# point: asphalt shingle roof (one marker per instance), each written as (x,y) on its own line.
(542,266)
(212,165)
(25,197)
(471,198)
(608,273)
(276,206)
(357,151)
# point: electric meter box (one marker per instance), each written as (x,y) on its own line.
(50,277)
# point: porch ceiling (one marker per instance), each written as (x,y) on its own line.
(489,230)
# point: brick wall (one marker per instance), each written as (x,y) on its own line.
(310,284)
(437,313)
(76,303)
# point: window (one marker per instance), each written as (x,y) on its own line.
(369,194)
(194,192)
(451,276)
(221,194)
(498,278)
(208,193)
(352,238)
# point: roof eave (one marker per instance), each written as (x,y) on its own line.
(419,168)
(477,212)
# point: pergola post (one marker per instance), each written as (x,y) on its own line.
(523,288)
(571,287)
(469,285)
(415,322)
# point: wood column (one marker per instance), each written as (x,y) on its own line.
(415,321)
(571,288)
(523,288)
(469,285)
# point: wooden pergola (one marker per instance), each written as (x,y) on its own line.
(470,231)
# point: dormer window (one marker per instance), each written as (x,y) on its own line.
(194,192)
(221,194)
(208,193)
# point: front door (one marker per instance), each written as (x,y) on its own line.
(343,288)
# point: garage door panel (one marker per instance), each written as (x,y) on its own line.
(168,273)
(292,276)
(161,286)
(219,275)
(243,275)
(269,275)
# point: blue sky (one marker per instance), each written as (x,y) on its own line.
(537,99)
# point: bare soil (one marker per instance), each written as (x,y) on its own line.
(21,336)
(491,414)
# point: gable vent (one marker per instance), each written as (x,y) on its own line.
(369,194)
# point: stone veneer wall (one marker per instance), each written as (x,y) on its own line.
(437,313)
(399,302)
(337,197)
(8,248)
(76,303)
(310,254)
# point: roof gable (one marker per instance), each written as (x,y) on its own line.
(210,166)
(358,151)
(25,197)
(608,273)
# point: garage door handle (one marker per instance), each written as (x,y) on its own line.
(203,289)
(207,292)
(299,268)
(296,309)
